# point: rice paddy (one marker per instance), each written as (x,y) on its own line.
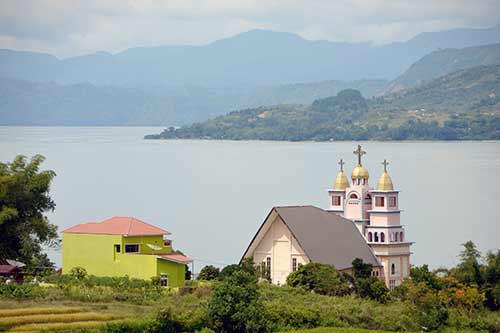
(55,319)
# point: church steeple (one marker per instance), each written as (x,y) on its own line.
(341,182)
(359,172)
(385,181)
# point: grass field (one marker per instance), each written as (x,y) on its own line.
(358,330)
(70,317)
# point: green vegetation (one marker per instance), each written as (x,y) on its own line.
(208,273)
(24,199)
(464,105)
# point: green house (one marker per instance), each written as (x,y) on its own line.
(122,246)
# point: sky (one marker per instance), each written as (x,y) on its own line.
(68,28)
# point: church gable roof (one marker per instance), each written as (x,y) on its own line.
(325,237)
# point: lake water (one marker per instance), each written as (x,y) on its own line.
(213,195)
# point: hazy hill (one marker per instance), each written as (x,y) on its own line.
(28,103)
(442,62)
(461,105)
(257,57)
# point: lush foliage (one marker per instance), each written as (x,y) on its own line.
(322,279)
(444,109)
(208,273)
(24,200)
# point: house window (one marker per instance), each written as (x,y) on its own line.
(131,248)
(117,248)
(393,269)
(336,200)
(392,201)
(164,280)
(392,284)
(294,264)
(379,201)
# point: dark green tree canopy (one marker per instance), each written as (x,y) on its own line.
(320,278)
(208,273)
(24,200)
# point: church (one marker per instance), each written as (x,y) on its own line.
(360,222)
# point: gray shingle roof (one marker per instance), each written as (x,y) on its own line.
(326,237)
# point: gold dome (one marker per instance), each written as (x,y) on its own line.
(385,183)
(341,182)
(360,172)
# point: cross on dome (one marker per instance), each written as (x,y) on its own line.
(360,153)
(341,163)
(385,164)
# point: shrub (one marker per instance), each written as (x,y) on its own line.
(235,305)
(372,288)
(320,278)
(78,273)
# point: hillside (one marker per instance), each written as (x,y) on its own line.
(28,103)
(461,105)
(257,57)
(442,62)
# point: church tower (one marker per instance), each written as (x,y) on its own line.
(376,214)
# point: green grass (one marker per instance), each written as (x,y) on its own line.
(358,330)
(57,318)
(77,325)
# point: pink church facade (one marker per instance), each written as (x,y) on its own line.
(376,213)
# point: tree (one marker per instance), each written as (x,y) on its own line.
(24,199)
(236,306)
(320,278)
(422,274)
(469,269)
(360,269)
(208,273)
(372,288)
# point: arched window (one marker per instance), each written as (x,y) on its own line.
(392,237)
(376,237)
(382,237)
(401,236)
(370,238)
(396,236)
(354,196)
(393,269)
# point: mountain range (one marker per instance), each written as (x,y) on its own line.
(177,85)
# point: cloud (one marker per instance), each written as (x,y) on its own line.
(68,28)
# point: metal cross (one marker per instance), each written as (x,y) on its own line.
(385,164)
(341,163)
(360,153)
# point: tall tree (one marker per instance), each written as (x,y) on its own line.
(469,269)
(24,200)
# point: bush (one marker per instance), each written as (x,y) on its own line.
(78,273)
(235,305)
(372,288)
(320,278)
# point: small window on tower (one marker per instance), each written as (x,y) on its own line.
(392,202)
(354,196)
(379,201)
(336,200)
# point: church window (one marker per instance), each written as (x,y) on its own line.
(392,284)
(379,201)
(336,200)
(392,202)
(131,248)
(354,196)
(370,238)
(382,237)
(393,269)
(268,263)
(294,264)
(401,236)
(376,237)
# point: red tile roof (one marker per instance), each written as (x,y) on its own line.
(176,257)
(118,225)
(6,269)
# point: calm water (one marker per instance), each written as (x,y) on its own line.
(214,195)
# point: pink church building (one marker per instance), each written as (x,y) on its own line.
(376,213)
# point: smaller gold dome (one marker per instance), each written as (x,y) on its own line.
(385,183)
(341,182)
(360,172)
